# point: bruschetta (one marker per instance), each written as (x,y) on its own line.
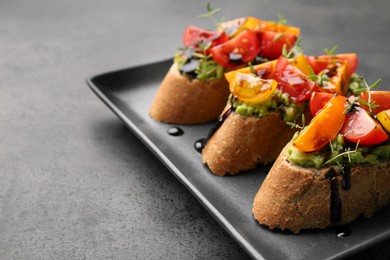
(194,90)
(333,171)
(257,128)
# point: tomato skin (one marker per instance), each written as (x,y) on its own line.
(319,63)
(384,118)
(323,127)
(236,26)
(271,48)
(339,78)
(292,81)
(360,127)
(264,70)
(194,35)
(252,89)
(381,98)
(245,47)
(318,100)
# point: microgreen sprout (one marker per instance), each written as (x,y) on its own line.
(281,19)
(367,88)
(278,36)
(293,50)
(253,71)
(296,125)
(347,153)
(211,12)
(320,79)
(331,51)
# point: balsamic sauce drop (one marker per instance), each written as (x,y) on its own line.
(201,143)
(343,231)
(175,131)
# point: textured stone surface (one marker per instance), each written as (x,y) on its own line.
(74,182)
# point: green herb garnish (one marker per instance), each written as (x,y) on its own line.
(211,12)
(293,50)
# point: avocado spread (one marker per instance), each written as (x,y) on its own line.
(195,65)
(278,101)
(339,152)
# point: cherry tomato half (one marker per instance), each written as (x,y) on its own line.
(360,127)
(292,81)
(235,27)
(252,89)
(271,43)
(323,127)
(319,63)
(264,70)
(318,100)
(380,98)
(195,35)
(237,51)
(339,78)
(384,119)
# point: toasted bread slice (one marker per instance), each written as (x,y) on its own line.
(180,100)
(293,197)
(242,142)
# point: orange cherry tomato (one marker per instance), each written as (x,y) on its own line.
(324,126)
(318,100)
(339,78)
(263,70)
(361,127)
(380,98)
(235,27)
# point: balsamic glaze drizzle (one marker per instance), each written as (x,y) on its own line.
(201,143)
(346,177)
(335,201)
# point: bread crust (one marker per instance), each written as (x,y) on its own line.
(242,142)
(293,197)
(183,101)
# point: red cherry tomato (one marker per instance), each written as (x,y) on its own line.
(318,101)
(194,35)
(380,98)
(360,127)
(323,127)
(237,51)
(319,63)
(292,81)
(271,43)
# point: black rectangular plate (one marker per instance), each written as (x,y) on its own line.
(129,94)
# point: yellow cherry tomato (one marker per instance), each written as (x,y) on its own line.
(324,126)
(252,89)
(384,119)
(301,63)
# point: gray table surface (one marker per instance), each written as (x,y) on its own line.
(75,183)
